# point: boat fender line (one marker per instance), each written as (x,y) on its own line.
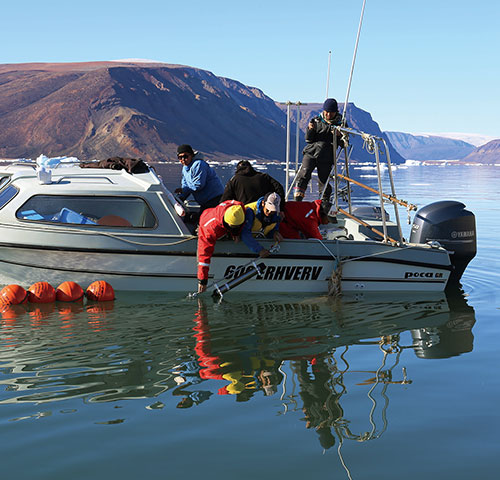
(221,288)
(335,280)
(51,229)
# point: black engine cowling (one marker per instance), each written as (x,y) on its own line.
(448,223)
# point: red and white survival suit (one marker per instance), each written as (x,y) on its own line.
(211,229)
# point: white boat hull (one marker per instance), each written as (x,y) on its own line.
(379,268)
(150,248)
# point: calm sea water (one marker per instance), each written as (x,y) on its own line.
(267,387)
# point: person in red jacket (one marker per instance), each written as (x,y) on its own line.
(302,219)
(224,219)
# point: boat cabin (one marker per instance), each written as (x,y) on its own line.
(90,198)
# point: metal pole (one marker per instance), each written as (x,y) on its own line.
(382,210)
(328,72)
(348,184)
(393,190)
(352,65)
(297,131)
(287,169)
(335,178)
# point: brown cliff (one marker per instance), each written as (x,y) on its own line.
(101,109)
(488,154)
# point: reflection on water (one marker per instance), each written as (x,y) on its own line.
(183,353)
(312,338)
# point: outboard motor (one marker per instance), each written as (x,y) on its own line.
(448,223)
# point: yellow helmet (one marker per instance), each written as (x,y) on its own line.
(234,216)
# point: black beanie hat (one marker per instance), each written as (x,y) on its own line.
(330,105)
(185,148)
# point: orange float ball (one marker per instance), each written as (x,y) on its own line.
(69,292)
(41,292)
(13,295)
(100,291)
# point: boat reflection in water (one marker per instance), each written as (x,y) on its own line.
(306,345)
(183,353)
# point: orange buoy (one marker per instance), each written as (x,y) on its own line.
(100,291)
(41,292)
(69,292)
(13,295)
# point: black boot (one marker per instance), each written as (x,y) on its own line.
(298,197)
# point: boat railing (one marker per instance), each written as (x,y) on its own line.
(378,147)
(24,163)
(339,173)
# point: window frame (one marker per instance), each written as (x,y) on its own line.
(3,189)
(88,225)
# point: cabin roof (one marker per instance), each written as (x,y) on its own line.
(69,178)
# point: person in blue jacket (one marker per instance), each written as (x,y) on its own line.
(198,179)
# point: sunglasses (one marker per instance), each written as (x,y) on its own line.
(183,156)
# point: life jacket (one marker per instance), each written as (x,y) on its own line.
(261,224)
(210,230)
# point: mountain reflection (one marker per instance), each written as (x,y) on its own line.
(185,353)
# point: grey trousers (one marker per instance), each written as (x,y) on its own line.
(306,170)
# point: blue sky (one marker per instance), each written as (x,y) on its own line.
(422,66)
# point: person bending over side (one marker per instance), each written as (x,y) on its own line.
(226,219)
(302,219)
(262,218)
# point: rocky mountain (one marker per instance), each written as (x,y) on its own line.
(429,147)
(102,109)
(95,110)
(488,154)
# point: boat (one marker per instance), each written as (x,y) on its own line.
(67,221)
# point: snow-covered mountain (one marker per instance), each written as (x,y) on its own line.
(429,147)
(475,139)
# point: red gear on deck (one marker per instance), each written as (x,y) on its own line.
(301,217)
(210,230)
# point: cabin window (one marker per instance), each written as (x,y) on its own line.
(7,194)
(4,181)
(88,211)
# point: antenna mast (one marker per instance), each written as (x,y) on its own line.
(352,65)
(328,72)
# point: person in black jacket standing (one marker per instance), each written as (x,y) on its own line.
(318,153)
(247,185)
